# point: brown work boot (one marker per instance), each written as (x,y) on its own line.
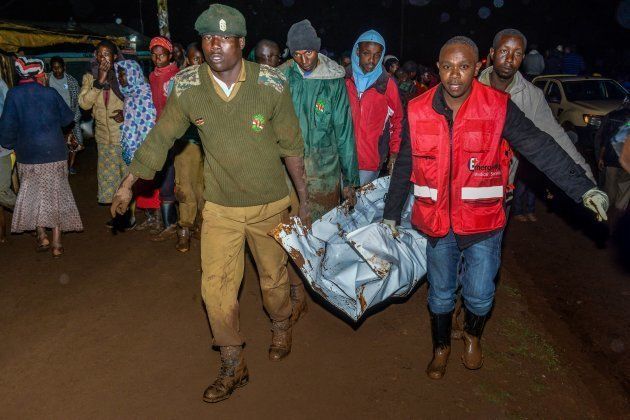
(441,335)
(473,356)
(437,366)
(280,340)
(473,328)
(183,239)
(233,374)
(298,302)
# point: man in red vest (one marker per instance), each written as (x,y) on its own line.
(457,154)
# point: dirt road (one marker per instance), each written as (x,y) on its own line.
(116,329)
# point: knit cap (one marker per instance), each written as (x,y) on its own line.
(302,36)
(29,67)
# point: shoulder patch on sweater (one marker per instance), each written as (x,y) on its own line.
(274,78)
(186,79)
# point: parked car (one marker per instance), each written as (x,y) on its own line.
(580,102)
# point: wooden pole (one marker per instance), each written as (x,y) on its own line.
(163,18)
(141,19)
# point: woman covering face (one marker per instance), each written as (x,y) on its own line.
(139,110)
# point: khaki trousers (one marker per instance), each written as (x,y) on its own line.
(223,235)
(189,183)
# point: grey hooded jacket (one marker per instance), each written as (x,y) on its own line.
(531,101)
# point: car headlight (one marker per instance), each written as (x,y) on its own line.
(594,120)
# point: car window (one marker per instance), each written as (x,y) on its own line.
(540,84)
(593,90)
(614,90)
(553,91)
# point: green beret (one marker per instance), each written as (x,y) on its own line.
(220,19)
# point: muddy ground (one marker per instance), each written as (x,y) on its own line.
(116,329)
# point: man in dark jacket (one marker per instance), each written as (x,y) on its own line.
(573,62)
(459,164)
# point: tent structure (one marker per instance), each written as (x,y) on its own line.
(16,35)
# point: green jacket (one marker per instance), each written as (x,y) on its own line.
(321,104)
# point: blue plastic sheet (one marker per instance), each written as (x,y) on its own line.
(351,259)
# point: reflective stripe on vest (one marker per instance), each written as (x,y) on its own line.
(476,193)
(424,191)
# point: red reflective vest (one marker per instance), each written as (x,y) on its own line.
(461,177)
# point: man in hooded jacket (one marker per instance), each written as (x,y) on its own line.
(507,54)
(377,112)
(321,104)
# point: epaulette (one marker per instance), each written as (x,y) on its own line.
(186,79)
(274,78)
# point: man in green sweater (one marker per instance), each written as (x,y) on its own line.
(321,103)
(246,122)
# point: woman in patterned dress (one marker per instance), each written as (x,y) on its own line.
(31,124)
(139,111)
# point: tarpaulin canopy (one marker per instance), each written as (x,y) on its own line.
(15,35)
(351,260)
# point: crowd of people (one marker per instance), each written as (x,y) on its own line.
(225,148)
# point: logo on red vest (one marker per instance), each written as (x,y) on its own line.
(483,170)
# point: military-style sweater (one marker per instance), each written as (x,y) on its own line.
(243,139)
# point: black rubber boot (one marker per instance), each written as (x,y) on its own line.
(169,213)
(473,328)
(441,333)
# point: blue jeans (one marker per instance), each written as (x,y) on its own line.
(365,177)
(475,268)
(524,199)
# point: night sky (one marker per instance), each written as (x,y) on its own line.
(595,26)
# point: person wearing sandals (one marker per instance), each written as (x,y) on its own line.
(31,124)
(101,95)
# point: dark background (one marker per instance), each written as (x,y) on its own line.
(597,27)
